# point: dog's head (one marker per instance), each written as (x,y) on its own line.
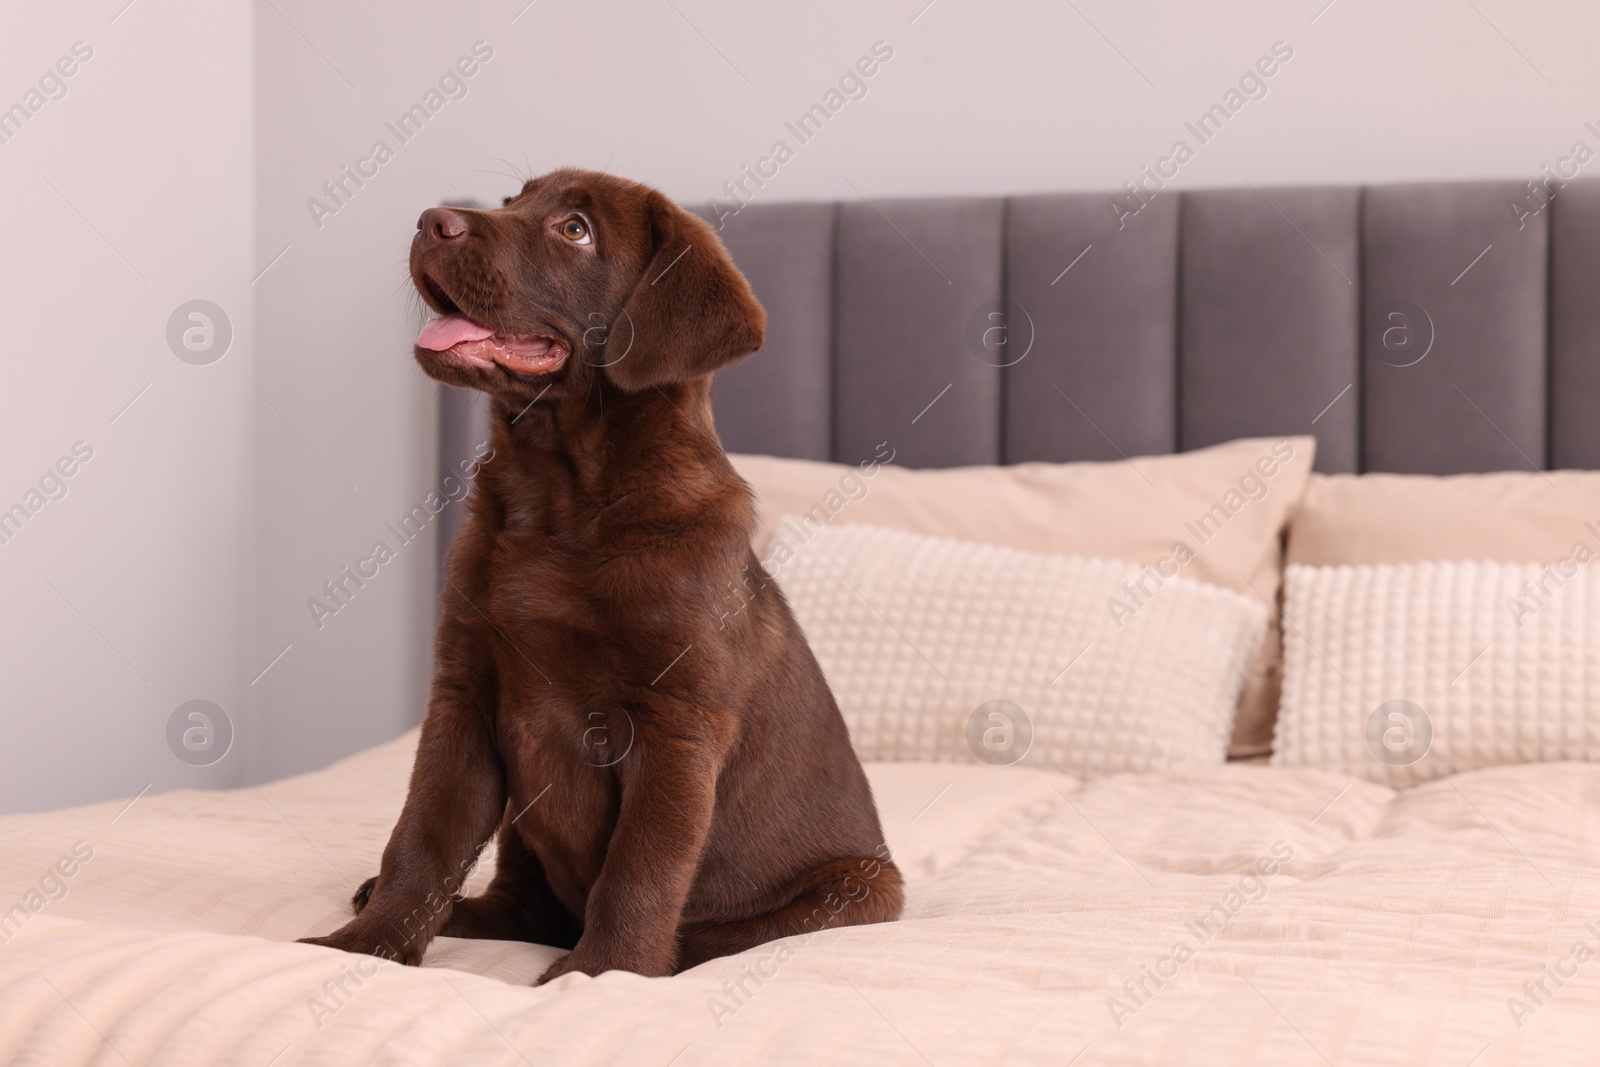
(579,274)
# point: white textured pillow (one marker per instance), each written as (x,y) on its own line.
(1405,672)
(939,649)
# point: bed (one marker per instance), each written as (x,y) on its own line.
(1233,913)
(1396,929)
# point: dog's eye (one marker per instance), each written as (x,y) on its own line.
(576,231)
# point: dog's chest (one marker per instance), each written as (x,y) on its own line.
(564,790)
(567,641)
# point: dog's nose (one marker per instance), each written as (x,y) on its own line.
(439,224)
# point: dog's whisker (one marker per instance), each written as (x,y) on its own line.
(501,173)
(522,179)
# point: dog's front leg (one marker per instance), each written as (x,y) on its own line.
(630,923)
(457,796)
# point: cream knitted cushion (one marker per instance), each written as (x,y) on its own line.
(939,649)
(1405,672)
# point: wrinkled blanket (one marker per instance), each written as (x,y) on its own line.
(1246,915)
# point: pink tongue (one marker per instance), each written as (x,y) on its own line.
(448,331)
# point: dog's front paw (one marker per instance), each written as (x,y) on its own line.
(360,937)
(595,962)
(565,965)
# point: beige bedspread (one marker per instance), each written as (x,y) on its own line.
(1049,922)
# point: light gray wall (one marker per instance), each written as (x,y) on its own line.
(193,140)
(124,199)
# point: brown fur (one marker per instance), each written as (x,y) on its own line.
(620,688)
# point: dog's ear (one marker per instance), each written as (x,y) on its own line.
(691,312)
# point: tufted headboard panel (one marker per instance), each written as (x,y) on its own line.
(1434,328)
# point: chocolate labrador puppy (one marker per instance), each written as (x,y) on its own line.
(620,689)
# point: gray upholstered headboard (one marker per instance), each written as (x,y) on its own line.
(1432,328)
(1204,316)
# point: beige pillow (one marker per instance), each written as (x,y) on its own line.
(1506,517)
(1215,515)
